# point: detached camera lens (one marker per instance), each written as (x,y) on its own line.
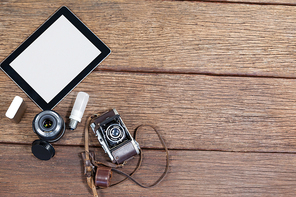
(49,126)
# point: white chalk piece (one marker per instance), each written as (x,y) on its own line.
(16,109)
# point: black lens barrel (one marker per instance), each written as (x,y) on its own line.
(49,126)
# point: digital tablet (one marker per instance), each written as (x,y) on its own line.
(55,58)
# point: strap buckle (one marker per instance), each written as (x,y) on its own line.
(88,166)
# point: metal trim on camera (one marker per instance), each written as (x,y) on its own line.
(114,137)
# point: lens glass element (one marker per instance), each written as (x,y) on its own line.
(115,132)
(47,123)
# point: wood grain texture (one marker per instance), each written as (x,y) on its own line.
(192,112)
(185,67)
(172,36)
(191,173)
(261,2)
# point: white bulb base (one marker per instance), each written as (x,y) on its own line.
(73,124)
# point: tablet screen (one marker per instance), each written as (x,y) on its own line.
(55,58)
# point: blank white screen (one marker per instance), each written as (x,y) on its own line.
(55,58)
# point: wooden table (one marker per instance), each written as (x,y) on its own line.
(216,78)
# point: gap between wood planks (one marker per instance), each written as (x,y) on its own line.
(141,71)
(170,149)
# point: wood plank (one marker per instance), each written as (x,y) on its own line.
(191,111)
(191,173)
(172,36)
(264,2)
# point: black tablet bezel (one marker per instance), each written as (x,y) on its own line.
(5,65)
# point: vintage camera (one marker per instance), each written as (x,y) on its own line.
(50,127)
(114,137)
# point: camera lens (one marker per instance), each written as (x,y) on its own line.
(49,126)
(47,123)
(115,133)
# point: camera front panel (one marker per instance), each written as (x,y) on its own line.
(114,132)
(114,137)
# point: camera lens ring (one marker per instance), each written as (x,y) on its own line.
(115,133)
(50,133)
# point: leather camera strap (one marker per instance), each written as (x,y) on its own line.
(90,163)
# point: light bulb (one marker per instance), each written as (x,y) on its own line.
(78,109)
